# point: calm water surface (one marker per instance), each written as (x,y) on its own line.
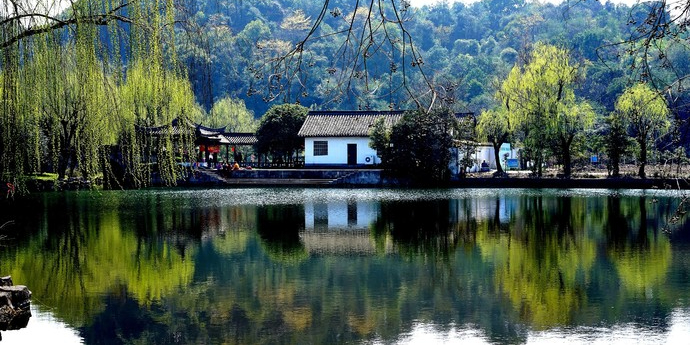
(322,266)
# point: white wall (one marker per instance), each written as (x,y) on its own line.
(485,152)
(337,151)
(334,215)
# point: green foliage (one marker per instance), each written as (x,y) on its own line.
(222,48)
(540,98)
(380,138)
(645,113)
(277,132)
(154,97)
(617,143)
(494,126)
(70,102)
(420,146)
(233,114)
(467,47)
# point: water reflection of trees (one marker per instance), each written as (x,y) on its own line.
(554,257)
(419,228)
(642,253)
(503,263)
(543,261)
(82,252)
(279,227)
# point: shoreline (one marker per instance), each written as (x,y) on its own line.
(374,178)
(593,183)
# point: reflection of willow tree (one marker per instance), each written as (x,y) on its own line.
(279,226)
(87,255)
(542,265)
(642,259)
(541,262)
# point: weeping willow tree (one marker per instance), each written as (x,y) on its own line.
(539,97)
(158,101)
(153,94)
(71,96)
(79,81)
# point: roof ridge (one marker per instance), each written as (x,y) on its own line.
(355,112)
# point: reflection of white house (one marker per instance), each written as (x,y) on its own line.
(340,228)
(340,138)
(340,215)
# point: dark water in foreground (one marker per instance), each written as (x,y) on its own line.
(323,266)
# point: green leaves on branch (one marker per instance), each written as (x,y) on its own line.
(277,133)
(233,114)
(645,114)
(69,95)
(541,103)
(418,147)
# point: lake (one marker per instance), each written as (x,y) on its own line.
(356,266)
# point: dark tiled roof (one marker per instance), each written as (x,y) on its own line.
(203,133)
(240,138)
(345,123)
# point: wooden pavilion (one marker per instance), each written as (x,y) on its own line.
(210,142)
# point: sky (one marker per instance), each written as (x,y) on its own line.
(420,3)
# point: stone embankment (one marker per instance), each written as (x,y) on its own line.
(292,177)
(15,301)
(376,178)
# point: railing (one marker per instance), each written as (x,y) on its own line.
(273,165)
(297,163)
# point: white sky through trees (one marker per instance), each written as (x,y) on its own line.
(420,3)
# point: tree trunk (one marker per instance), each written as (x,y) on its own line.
(615,165)
(565,148)
(567,170)
(643,158)
(62,163)
(497,156)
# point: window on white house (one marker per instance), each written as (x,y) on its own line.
(320,148)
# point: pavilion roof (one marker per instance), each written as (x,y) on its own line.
(203,133)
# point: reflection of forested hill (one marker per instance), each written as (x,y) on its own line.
(463,46)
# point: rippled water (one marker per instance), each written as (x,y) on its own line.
(371,266)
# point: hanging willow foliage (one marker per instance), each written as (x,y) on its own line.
(154,94)
(74,90)
(147,102)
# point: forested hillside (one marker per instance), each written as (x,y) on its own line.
(78,77)
(464,49)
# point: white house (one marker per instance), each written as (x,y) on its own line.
(341,138)
(485,153)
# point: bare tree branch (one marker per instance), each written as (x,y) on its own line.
(19,14)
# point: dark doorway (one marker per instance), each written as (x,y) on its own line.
(351,154)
